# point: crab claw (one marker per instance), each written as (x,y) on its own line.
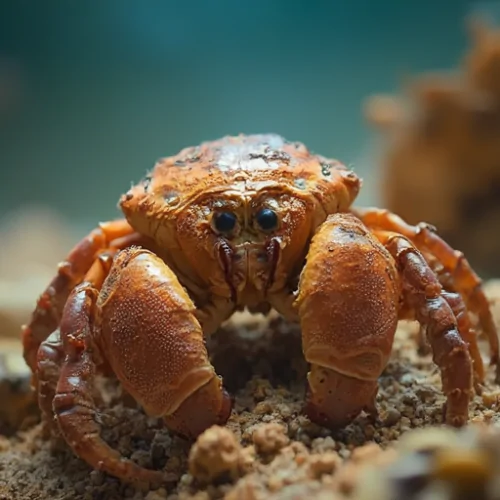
(143,321)
(334,400)
(209,405)
(155,344)
(347,304)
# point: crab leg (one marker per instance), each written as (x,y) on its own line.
(143,319)
(468,334)
(424,293)
(47,315)
(460,312)
(50,354)
(50,357)
(465,280)
(73,405)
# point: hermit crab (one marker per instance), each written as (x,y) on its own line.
(251,222)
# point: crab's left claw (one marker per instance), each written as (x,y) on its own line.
(347,303)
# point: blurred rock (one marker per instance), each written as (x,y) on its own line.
(441,158)
(438,463)
(18,407)
(33,241)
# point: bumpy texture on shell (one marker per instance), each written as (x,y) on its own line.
(243,163)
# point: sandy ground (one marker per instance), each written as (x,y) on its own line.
(268,448)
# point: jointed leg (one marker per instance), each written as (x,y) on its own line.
(51,355)
(424,294)
(49,360)
(73,405)
(468,334)
(47,315)
(143,320)
(458,271)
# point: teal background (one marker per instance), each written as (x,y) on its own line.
(93,92)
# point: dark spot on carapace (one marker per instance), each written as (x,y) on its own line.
(271,155)
(171,197)
(146,182)
(300,184)
(191,156)
(297,145)
(326,169)
(350,232)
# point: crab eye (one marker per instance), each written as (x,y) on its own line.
(267,219)
(224,222)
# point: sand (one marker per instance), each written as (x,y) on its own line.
(268,448)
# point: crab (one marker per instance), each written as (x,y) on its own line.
(255,222)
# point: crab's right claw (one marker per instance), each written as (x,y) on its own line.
(155,345)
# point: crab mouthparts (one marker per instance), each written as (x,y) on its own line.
(247,261)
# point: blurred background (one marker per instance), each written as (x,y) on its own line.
(92,93)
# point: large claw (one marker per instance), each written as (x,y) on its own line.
(140,322)
(334,400)
(348,306)
(155,344)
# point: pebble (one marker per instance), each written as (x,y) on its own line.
(160,494)
(391,417)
